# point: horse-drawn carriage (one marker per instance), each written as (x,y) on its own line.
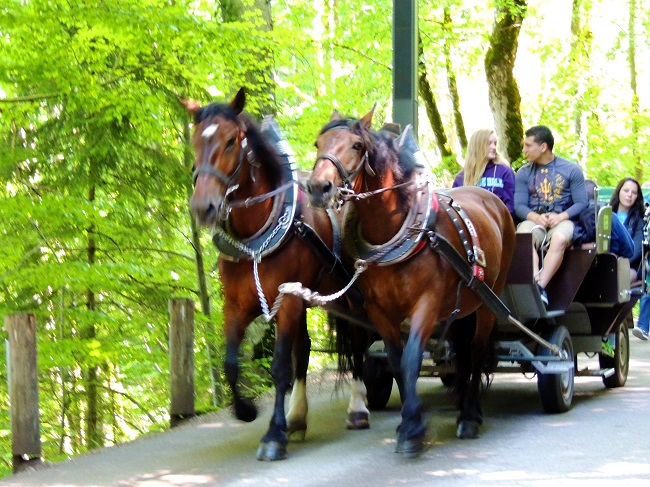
(589,299)
(431,291)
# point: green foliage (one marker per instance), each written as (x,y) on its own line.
(93,222)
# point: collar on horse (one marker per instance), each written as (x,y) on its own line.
(419,221)
(285,209)
(408,240)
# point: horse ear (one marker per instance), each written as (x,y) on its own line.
(335,116)
(239,101)
(367,118)
(192,105)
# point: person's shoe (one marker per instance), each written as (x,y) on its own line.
(639,333)
(543,294)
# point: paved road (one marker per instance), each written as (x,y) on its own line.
(604,439)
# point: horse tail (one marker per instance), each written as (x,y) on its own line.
(341,341)
(350,342)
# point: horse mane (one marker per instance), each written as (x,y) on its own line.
(261,148)
(383,152)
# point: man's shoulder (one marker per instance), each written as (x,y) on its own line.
(565,162)
(525,169)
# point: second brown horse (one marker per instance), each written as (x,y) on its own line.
(382,185)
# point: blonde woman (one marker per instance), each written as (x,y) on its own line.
(486,168)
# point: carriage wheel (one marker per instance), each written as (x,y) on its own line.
(378,379)
(620,362)
(556,390)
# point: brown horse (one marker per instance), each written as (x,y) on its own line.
(395,224)
(245,190)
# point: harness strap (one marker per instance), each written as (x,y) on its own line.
(475,254)
(441,245)
(332,262)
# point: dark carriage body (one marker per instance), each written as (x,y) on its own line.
(589,299)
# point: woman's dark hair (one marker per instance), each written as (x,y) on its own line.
(637,208)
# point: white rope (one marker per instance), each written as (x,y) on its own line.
(312,297)
(256,256)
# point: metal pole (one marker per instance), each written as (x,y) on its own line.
(405,63)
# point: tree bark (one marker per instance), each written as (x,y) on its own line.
(92,423)
(503,91)
(634,119)
(579,59)
(433,114)
(451,83)
(260,84)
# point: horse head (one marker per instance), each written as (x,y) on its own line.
(342,145)
(219,142)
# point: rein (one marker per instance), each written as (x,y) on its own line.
(254,200)
(349,194)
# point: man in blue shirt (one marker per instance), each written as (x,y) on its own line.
(550,194)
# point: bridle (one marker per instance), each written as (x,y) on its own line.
(347,192)
(228,180)
(348,177)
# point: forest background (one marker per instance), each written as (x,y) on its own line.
(95,163)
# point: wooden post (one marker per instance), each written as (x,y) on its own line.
(181,353)
(23,391)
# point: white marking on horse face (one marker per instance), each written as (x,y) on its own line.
(210,130)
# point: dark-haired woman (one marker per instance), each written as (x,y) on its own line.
(627,204)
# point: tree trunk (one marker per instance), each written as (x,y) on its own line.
(435,120)
(634,119)
(259,82)
(92,424)
(502,87)
(453,89)
(579,60)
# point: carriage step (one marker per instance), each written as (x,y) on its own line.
(596,372)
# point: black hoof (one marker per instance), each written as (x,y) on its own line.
(245,411)
(271,451)
(467,430)
(411,447)
(357,421)
(296,430)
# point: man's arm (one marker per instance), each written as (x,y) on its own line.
(578,192)
(522,198)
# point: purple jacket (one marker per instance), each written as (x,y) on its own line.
(497,178)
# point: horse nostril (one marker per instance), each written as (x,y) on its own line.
(210,212)
(327,187)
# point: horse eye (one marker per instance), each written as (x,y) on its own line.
(230,144)
(357,146)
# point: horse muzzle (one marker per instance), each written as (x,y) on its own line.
(207,211)
(321,193)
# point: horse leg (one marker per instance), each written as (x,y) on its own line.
(298,407)
(471,416)
(273,445)
(395,361)
(358,414)
(410,434)
(245,410)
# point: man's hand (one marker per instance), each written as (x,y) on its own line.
(541,220)
(554,219)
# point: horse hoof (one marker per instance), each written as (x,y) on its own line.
(271,451)
(411,447)
(296,431)
(245,411)
(357,421)
(467,430)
